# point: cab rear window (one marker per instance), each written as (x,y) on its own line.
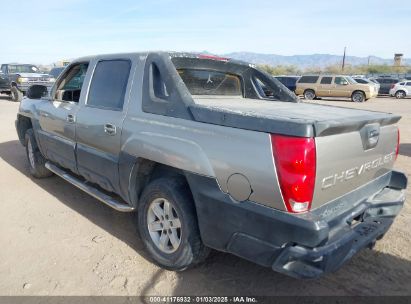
(207,82)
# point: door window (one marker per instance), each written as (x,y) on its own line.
(409,84)
(70,85)
(109,83)
(308,79)
(340,80)
(326,80)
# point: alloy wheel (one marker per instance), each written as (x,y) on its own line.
(164,225)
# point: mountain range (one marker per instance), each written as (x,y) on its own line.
(314,60)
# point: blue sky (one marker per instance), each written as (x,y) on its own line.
(46,31)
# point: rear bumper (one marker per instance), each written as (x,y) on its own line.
(305,262)
(303,245)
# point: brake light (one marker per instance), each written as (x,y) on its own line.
(295,160)
(213,57)
(392,86)
(397,150)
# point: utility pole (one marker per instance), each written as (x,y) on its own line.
(343,62)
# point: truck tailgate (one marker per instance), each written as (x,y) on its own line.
(353,147)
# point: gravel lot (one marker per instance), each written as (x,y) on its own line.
(56,240)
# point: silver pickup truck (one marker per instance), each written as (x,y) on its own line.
(214,153)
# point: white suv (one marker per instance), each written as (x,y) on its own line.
(401,89)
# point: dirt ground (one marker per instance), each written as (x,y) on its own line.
(57,240)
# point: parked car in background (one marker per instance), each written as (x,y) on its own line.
(385,84)
(312,86)
(55,72)
(289,81)
(401,89)
(17,78)
(364,80)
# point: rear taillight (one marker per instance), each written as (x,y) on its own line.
(392,86)
(397,150)
(295,161)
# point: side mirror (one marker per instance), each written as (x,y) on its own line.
(37,92)
(344,83)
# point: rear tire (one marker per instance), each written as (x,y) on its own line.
(400,94)
(35,158)
(167,224)
(309,94)
(358,96)
(16,94)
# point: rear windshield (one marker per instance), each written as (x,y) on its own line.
(308,79)
(207,82)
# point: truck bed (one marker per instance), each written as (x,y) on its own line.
(288,118)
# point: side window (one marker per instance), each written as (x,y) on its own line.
(409,84)
(326,80)
(109,83)
(262,89)
(70,85)
(3,69)
(308,79)
(340,80)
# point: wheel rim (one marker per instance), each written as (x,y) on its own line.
(309,95)
(358,97)
(400,95)
(30,153)
(164,225)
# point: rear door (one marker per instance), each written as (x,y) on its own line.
(100,121)
(57,117)
(325,86)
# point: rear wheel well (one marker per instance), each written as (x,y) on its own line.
(23,124)
(146,171)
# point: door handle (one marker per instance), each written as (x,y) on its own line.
(70,118)
(110,129)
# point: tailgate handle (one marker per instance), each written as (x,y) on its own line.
(370,134)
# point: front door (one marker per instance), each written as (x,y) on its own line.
(99,123)
(341,87)
(57,118)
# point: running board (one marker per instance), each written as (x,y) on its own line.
(106,199)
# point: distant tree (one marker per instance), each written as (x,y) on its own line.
(335,69)
(280,69)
